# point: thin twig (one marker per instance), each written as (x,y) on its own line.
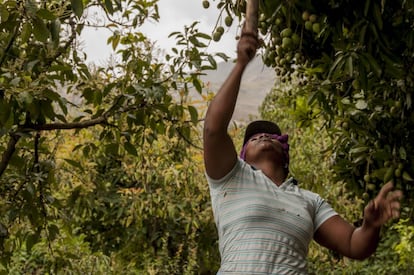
(189,141)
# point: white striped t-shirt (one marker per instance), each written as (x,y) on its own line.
(264,228)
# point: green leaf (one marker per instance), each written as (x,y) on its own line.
(115,41)
(55,27)
(212,62)
(350,66)
(196,42)
(31,240)
(362,33)
(26,32)
(9,123)
(53,231)
(193,113)
(366,7)
(185,132)
(359,159)
(26,97)
(74,163)
(406,176)
(45,14)
(5,110)
(40,30)
(30,65)
(63,103)
(130,149)
(377,16)
(47,109)
(197,85)
(203,35)
(88,94)
(112,149)
(52,95)
(174,34)
(358,150)
(77,7)
(389,174)
(109,7)
(337,65)
(4,14)
(31,8)
(402,153)
(375,67)
(222,56)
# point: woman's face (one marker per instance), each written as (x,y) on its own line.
(261,145)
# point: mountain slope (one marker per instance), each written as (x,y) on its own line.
(257,81)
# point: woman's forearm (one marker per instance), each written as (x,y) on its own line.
(364,241)
(222,107)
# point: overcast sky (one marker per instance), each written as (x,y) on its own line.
(174,15)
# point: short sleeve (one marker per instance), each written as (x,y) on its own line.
(217,184)
(323,212)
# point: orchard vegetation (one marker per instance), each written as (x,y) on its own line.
(95,171)
(101,167)
(346,71)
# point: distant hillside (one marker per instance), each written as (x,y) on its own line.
(256,83)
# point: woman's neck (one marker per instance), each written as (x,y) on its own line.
(273,171)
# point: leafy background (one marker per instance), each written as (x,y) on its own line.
(101,166)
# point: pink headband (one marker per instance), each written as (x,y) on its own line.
(283,139)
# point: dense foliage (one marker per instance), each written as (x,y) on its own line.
(355,63)
(93,166)
(101,167)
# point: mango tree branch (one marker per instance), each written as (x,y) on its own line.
(65,126)
(252,14)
